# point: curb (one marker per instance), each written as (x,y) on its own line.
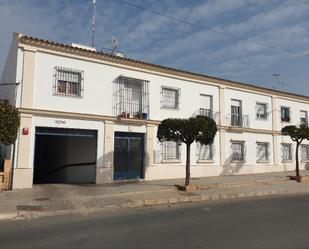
(82,210)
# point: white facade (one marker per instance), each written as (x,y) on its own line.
(248,117)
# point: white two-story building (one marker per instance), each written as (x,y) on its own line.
(91,117)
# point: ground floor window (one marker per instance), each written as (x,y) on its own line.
(286,152)
(238,151)
(171,150)
(204,152)
(305,152)
(262,151)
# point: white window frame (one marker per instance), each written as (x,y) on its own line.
(304,148)
(266,152)
(289,116)
(290,156)
(165,150)
(68,77)
(166,104)
(242,156)
(201,156)
(306,117)
(263,116)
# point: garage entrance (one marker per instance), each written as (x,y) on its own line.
(128,155)
(64,155)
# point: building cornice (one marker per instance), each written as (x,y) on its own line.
(105,118)
(88,54)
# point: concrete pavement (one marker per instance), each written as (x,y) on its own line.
(53,199)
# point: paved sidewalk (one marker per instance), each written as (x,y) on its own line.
(53,199)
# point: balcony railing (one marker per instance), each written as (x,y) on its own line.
(205,112)
(238,120)
(131,98)
(208,113)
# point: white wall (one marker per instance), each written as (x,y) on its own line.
(248,101)
(295,108)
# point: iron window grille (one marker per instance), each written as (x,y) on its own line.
(206,112)
(303,118)
(238,151)
(287,152)
(261,111)
(305,152)
(170,97)
(171,150)
(262,151)
(68,82)
(285,114)
(204,152)
(131,98)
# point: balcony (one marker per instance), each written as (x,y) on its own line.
(208,113)
(131,98)
(238,120)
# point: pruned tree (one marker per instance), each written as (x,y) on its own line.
(199,129)
(297,134)
(9,123)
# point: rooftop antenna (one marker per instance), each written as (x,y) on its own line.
(93,22)
(114,44)
(280,82)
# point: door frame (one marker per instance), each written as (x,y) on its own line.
(131,135)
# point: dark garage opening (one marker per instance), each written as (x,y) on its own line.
(64,155)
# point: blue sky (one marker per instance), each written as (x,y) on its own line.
(153,38)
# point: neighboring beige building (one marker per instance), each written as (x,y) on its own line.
(88,116)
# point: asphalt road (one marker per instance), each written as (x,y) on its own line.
(280,222)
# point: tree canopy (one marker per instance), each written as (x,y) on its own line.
(9,123)
(297,134)
(200,129)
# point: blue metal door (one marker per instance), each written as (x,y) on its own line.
(128,155)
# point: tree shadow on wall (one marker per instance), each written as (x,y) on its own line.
(231,168)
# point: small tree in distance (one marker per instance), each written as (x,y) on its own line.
(199,129)
(297,134)
(9,123)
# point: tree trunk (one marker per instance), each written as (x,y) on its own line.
(187,182)
(296,158)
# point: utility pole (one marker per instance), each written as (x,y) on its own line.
(93,22)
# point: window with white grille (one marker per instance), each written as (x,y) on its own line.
(204,152)
(205,105)
(68,82)
(303,118)
(287,152)
(170,150)
(262,151)
(305,152)
(285,114)
(238,151)
(170,97)
(261,110)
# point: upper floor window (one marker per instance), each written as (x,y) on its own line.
(171,150)
(261,110)
(68,82)
(305,152)
(287,152)
(285,114)
(236,117)
(131,97)
(303,118)
(205,105)
(262,151)
(204,152)
(238,151)
(170,97)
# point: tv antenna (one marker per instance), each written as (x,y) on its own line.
(93,22)
(114,44)
(280,82)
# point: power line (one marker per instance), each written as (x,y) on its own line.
(222,32)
